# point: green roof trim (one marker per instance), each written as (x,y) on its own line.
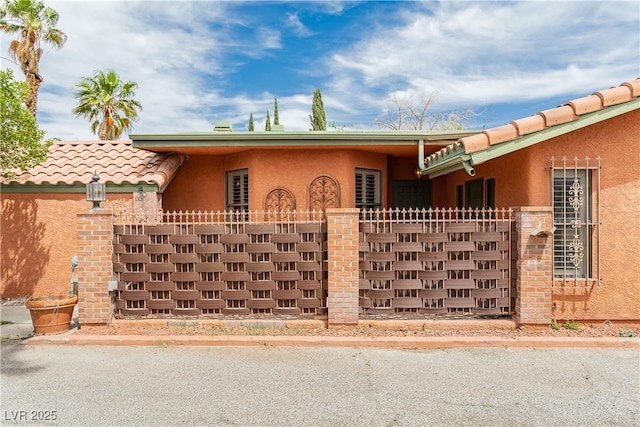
(456,158)
(271,139)
(76,188)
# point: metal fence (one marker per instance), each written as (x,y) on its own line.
(220,263)
(451,262)
(436,262)
(128,216)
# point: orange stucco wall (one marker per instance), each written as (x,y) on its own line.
(512,174)
(400,168)
(200,183)
(38,240)
(523,179)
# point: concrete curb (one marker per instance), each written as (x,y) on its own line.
(330,341)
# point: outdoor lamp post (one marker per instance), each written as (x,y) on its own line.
(96,191)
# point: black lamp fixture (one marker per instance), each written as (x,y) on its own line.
(96,191)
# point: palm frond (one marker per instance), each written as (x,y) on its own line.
(110,101)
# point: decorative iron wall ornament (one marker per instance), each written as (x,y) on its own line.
(576,249)
(324,192)
(279,200)
(575,193)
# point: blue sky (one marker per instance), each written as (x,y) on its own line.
(204,61)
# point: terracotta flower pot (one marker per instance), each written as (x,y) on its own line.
(51,315)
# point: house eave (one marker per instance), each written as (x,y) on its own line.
(75,188)
(455,160)
(181,141)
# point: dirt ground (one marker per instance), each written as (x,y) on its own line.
(367,327)
(364,329)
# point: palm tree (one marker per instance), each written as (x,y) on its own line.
(108,103)
(33,23)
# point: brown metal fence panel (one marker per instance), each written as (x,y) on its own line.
(214,264)
(441,262)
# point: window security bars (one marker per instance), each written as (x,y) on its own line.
(575,195)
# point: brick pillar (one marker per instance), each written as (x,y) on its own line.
(534,265)
(95,266)
(342,254)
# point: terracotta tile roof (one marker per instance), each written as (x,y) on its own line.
(569,111)
(116,162)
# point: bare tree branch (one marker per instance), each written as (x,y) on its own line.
(414,110)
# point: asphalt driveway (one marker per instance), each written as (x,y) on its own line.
(302,386)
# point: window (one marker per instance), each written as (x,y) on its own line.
(368,189)
(574,218)
(412,194)
(490,193)
(478,194)
(459,196)
(474,193)
(238,190)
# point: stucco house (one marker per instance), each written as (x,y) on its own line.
(580,160)
(576,163)
(39,207)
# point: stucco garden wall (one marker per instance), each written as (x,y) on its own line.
(38,240)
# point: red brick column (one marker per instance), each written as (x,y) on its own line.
(95,266)
(534,265)
(342,254)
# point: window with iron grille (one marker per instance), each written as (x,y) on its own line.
(575,194)
(238,190)
(368,189)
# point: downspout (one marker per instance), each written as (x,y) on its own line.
(467,166)
(421,165)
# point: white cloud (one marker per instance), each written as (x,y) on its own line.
(269,37)
(477,53)
(293,21)
(184,57)
(333,7)
(142,42)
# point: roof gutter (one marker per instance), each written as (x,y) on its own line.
(467,167)
(75,188)
(177,142)
(462,161)
(453,164)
